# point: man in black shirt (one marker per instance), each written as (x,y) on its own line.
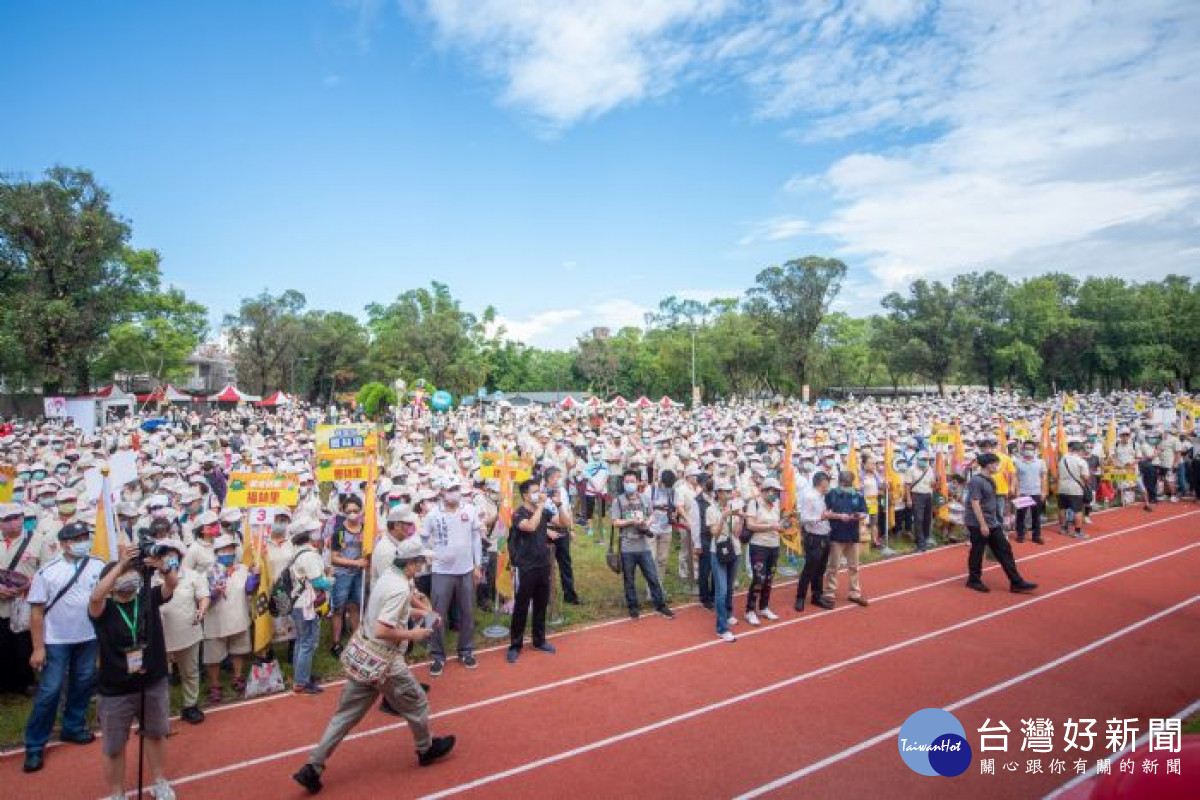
(133,659)
(983,513)
(529,547)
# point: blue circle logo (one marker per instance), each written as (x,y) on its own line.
(933,742)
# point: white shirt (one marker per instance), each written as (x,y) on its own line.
(456,539)
(812,506)
(67,622)
(180,629)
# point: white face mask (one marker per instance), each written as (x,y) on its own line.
(453,498)
(128,584)
(81,549)
(535,497)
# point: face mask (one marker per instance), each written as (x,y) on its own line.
(453,498)
(128,584)
(39,475)
(62,470)
(46,502)
(159,513)
(630,488)
(354,516)
(66,509)
(535,497)
(1028,455)
(80,549)
(225,559)
(278,528)
(921,462)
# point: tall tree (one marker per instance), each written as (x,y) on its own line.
(65,279)
(266,336)
(332,353)
(922,323)
(982,323)
(792,300)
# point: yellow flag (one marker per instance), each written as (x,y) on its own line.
(104,540)
(263,625)
(852,465)
(1002,438)
(790,535)
(960,454)
(1110,437)
(891,479)
(370,513)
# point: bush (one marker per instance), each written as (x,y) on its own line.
(375,398)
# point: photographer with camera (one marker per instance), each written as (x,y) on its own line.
(631,518)
(125,613)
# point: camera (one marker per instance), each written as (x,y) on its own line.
(148,549)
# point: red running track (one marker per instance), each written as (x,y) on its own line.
(805,704)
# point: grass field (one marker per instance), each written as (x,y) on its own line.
(599,588)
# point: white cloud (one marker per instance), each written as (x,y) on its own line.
(559,328)
(776,230)
(569,60)
(537,326)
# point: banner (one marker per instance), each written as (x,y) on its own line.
(54,407)
(1118,475)
(255,489)
(943,434)
(354,467)
(342,438)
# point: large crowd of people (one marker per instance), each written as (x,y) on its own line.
(708,492)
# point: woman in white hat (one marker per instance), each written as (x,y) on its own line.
(227,624)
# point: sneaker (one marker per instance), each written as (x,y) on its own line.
(1024,587)
(214,694)
(634,613)
(162,790)
(860,601)
(34,761)
(309,778)
(752,618)
(1080,535)
(727,636)
(79,737)
(512,655)
(1174,499)
(769,614)
(192,715)
(731,621)
(666,612)
(978,586)
(438,748)
(336,650)
(823,603)
(469,661)
(307,688)
(799,604)
(545,647)
(436,667)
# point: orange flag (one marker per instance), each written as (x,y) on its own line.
(852,465)
(790,535)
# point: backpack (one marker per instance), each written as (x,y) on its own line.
(283,592)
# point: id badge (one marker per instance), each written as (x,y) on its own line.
(133,661)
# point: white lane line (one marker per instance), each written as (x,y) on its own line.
(1141,741)
(624,620)
(866,744)
(648,660)
(631,734)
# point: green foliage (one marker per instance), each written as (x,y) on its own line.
(267,337)
(374,399)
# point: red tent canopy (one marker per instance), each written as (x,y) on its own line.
(619,402)
(643,402)
(168,393)
(231,394)
(568,402)
(278,398)
(593,402)
(667,402)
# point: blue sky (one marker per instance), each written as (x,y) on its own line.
(574,162)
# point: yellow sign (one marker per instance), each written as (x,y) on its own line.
(942,435)
(262,489)
(1020,430)
(353,466)
(1118,475)
(1139,404)
(495,466)
(7,476)
(341,438)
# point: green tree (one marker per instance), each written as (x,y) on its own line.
(922,323)
(65,278)
(266,336)
(332,353)
(375,399)
(158,333)
(982,324)
(792,300)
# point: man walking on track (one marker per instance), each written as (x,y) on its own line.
(374,663)
(982,513)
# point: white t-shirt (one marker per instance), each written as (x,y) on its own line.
(67,622)
(229,615)
(456,538)
(180,629)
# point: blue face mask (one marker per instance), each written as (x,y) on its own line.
(226,559)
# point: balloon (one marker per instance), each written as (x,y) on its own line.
(441,400)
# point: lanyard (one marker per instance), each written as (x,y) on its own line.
(133,624)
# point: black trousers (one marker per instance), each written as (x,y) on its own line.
(1033,513)
(995,541)
(485,592)
(922,517)
(1149,474)
(816,559)
(762,575)
(566,575)
(533,585)
(706,575)
(15,649)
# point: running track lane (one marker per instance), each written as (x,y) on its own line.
(660,690)
(287,715)
(804,720)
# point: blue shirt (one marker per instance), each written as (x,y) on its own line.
(841,501)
